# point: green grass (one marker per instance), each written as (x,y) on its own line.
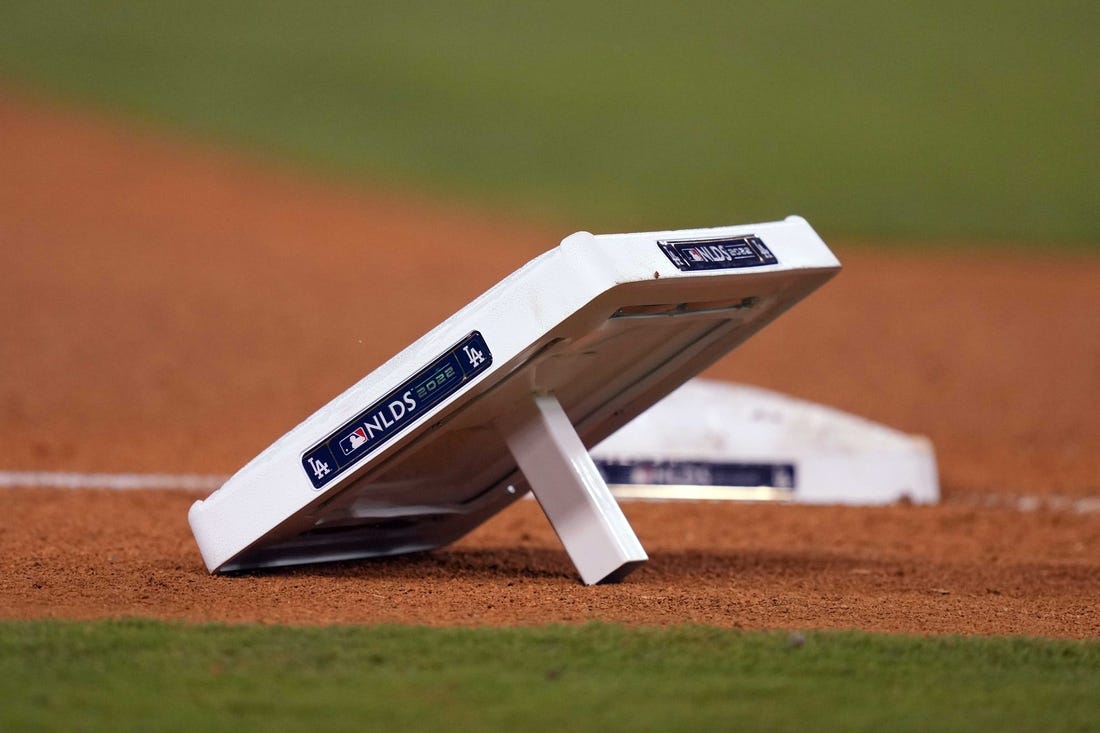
(142,675)
(946,120)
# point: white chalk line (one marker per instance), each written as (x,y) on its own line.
(1025,503)
(114,481)
(201,482)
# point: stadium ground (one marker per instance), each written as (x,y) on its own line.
(173,309)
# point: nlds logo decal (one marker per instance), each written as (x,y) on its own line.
(718,254)
(378,423)
(388,417)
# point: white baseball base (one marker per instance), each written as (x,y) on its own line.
(505,395)
(714,440)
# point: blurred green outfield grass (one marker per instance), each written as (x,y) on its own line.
(937,120)
(138,675)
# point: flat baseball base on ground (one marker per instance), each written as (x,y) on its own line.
(169,309)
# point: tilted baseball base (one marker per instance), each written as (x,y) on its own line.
(506,396)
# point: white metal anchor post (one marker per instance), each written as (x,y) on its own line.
(571,491)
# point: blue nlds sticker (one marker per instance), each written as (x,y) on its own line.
(718,254)
(696,473)
(386,418)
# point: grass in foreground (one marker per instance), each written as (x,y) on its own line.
(143,675)
(938,119)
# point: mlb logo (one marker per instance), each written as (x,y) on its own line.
(353,441)
(695,255)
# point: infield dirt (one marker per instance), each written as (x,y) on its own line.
(168,308)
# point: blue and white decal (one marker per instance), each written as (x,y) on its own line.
(718,254)
(696,473)
(389,416)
